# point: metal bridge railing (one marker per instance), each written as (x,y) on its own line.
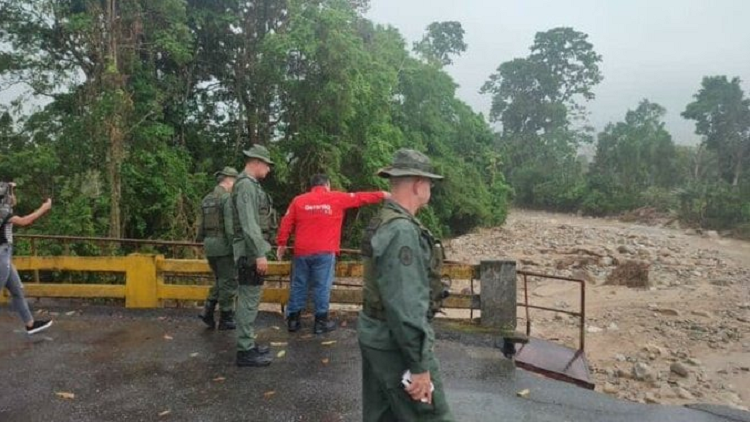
(581,315)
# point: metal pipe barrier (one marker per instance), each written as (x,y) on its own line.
(581,315)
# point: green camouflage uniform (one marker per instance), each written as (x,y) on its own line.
(217,244)
(253,224)
(402,269)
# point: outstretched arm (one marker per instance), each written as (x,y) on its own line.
(358,199)
(30,218)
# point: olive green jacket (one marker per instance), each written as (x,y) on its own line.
(248,198)
(396,276)
(220,245)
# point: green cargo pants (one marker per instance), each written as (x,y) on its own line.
(383,397)
(247,311)
(224,289)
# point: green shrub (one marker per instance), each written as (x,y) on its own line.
(716,205)
(661,199)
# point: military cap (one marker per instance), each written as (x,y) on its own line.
(260,152)
(227,171)
(408,162)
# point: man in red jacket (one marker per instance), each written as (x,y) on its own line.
(315,218)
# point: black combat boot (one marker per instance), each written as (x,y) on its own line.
(226,321)
(292,322)
(253,357)
(208,314)
(263,349)
(323,324)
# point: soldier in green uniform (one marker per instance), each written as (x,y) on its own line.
(402,291)
(253,225)
(216,234)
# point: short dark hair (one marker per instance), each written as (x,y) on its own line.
(319,179)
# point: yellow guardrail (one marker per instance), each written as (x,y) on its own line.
(145,286)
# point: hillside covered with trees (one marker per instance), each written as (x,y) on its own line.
(144,100)
(148,98)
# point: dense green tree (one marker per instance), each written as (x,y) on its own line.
(571,63)
(536,100)
(236,58)
(10,140)
(536,94)
(638,152)
(148,98)
(716,194)
(441,41)
(459,141)
(635,163)
(722,115)
(112,69)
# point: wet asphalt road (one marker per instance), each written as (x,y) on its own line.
(162,365)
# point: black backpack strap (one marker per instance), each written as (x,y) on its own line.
(3,240)
(6,219)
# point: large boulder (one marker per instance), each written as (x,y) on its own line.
(630,273)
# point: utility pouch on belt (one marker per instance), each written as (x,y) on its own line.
(247,275)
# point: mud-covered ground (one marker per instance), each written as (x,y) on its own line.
(683,338)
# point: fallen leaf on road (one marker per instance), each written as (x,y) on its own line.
(306,336)
(281,354)
(70,313)
(327,343)
(65,395)
(275,327)
(523,393)
(219,379)
(168,337)
(325,361)
(164,413)
(343,323)
(194,354)
(278,343)
(268,394)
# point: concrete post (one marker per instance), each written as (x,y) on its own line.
(498,294)
(141,286)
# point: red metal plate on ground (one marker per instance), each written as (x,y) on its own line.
(554,360)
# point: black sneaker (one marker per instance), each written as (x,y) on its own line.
(38,326)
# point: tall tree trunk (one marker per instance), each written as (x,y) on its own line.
(738,169)
(114,165)
(114,87)
(251,122)
(742,156)
(697,166)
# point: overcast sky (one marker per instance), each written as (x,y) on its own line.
(656,49)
